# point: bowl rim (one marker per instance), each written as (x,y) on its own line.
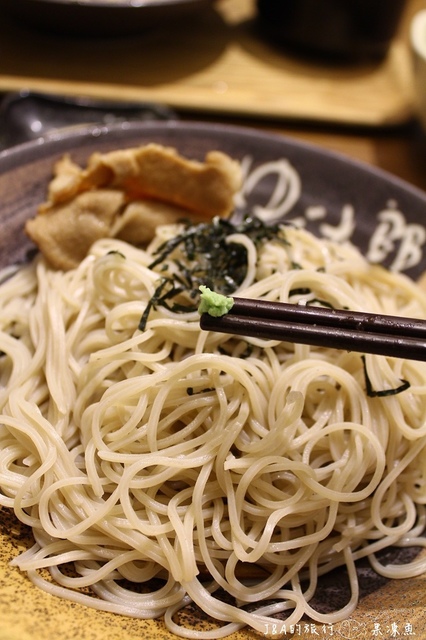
(118,4)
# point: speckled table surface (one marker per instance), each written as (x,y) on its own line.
(389,609)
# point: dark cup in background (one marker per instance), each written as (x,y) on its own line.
(345,29)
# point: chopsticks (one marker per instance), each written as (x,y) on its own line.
(323,327)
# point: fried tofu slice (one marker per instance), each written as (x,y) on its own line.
(65,234)
(127,194)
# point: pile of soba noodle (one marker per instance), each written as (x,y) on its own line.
(235,471)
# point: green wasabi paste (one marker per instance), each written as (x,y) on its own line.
(215,304)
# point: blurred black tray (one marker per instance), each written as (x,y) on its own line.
(27,115)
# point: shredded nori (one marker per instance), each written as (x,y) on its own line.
(207,258)
(373,393)
(117,253)
(190,390)
(248,351)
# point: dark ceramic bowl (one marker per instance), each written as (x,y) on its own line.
(386,214)
(100,17)
(331,187)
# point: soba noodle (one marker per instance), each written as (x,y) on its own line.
(169,465)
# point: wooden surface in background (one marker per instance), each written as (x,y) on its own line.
(217,64)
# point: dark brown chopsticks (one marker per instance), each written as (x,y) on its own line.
(323,327)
